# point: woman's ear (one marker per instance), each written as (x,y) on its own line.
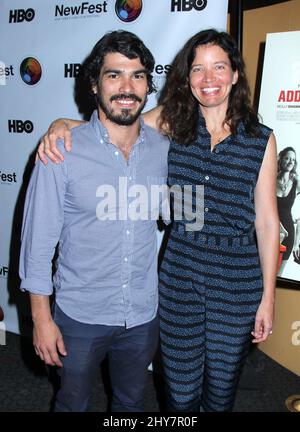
(235,77)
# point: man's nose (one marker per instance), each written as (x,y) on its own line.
(126,85)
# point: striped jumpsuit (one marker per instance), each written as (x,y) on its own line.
(211,280)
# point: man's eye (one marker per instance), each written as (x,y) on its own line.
(112,75)
(138,76)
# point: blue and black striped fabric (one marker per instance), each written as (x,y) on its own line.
(210,280)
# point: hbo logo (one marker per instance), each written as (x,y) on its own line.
(20,15)
(187,5)
(19,126)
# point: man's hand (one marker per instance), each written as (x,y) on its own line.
(60,128)
(48,342)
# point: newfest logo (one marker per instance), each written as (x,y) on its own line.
(5,71)
(162,69)
(19,126)
(3,272)
(188,5)
(12,274)
(84,10)
(7,178)
(21,15)
(30,71)
(6,271)
(128,10)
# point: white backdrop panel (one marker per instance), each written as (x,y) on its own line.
(34,28)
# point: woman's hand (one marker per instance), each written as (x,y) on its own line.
(263,321)
(59,129)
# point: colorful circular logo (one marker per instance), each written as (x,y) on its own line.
(30,71)
(128,10)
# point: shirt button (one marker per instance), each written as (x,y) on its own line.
(130,178)
(101,141)
(116,153)
(127,232)
(217,150)
(206,209)
(124,285)
(125,259)
(207,177)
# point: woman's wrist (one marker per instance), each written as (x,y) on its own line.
(268,298)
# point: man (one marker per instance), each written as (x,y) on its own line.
(106,277)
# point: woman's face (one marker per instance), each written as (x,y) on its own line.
(288,161)
(211,76)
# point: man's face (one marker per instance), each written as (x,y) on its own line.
(122,89)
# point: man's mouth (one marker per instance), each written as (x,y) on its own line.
(126,100)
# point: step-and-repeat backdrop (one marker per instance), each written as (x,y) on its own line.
(43,44)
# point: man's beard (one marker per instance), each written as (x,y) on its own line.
(126,118)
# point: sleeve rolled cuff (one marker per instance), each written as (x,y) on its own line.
(37,286)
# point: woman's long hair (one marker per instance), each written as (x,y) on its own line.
(180,109)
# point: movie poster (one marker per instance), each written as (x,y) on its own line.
(280,109)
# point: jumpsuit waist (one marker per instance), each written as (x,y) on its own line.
(200,237)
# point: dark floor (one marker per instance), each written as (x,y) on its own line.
(27,387)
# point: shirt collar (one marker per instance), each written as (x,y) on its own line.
(102,133)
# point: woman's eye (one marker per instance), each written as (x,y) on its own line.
(197,69)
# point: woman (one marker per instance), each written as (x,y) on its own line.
(211,283)
(288,185)
(216,286)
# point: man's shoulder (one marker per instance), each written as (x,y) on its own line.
(80,135)
(156,139)
(83,128)
(83,136)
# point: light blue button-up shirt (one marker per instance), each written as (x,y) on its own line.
(106,271)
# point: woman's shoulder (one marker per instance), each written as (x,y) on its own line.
(264,129)
(259,130)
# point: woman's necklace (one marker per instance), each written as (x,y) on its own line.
(283,185)
(220,138)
